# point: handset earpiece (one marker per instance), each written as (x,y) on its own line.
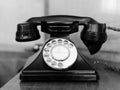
(93,36)
(27,32)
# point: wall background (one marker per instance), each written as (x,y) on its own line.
(13,55)
(17,11)
(13,12)
(105,11)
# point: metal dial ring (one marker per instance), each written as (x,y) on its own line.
(59,53)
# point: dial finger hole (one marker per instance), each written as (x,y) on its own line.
(49,44)
(54,42)
(49,60)
(65,42)
(59,40)
(46,49)
(46,55)
(70,45)
(60,65)
(53,63)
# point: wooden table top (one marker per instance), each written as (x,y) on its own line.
(109,80)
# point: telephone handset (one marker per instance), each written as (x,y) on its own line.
(59,59)
(93,34)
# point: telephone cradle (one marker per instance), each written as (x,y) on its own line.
(59,59)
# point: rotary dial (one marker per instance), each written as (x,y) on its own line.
(59,53)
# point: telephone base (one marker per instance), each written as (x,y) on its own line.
(38,71)
(75,75)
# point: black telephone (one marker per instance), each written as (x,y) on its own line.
(59,59)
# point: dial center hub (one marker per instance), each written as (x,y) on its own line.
(60,52)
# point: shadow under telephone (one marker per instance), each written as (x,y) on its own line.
(59,59)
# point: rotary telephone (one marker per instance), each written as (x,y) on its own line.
(59,59)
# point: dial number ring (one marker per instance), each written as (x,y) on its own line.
(62,53)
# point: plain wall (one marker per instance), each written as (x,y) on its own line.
(104,11)
(13,12)
(13,55)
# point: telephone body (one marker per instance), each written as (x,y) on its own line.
(59,59)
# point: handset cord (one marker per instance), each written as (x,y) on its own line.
(113,28)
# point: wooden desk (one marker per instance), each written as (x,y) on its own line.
(109,80)
(12,59)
